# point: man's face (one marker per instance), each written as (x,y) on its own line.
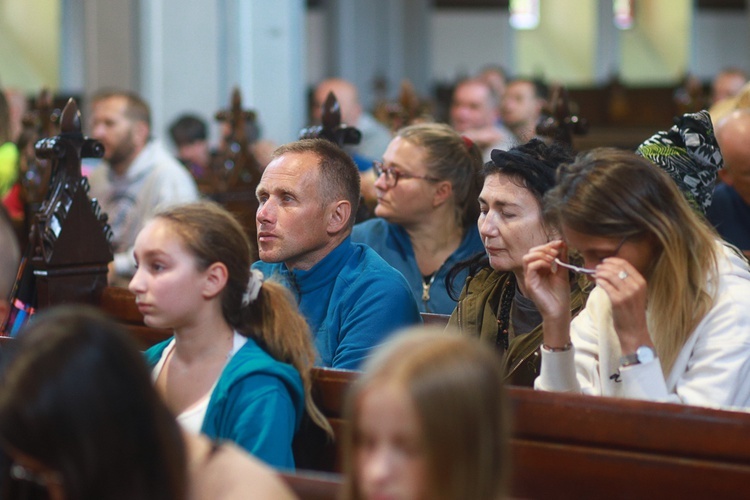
(292,218)
(737,168)
(114,130)
(520,106)
(726,85)
(472,107)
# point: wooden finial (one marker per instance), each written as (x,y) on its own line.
(331,127)
(561,124)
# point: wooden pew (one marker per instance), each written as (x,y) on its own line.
(431,319)
(574,446)
(562,445)
(313,449)
(313,485)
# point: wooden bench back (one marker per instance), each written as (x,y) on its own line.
(562,445)
(313,485)
(432,319)
(313,449)
(574,446)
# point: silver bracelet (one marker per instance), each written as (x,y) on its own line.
(564,348)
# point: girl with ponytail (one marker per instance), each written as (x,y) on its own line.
(238,366)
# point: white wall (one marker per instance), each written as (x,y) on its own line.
(180,62)
(315,42)
(192,61)
(720,39)
(465,40)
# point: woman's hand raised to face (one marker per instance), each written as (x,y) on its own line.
(628,292)
(546,282)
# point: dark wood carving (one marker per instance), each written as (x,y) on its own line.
(408,109)
(234,172)
(331,127)
(34,173)
(69,241)
(235,167)
(561,124)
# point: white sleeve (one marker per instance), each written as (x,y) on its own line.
(576,370)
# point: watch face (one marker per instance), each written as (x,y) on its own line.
(645,354)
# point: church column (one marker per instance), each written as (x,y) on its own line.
(180,61)
(263,54)
(98,45)
(607,44)
(387,39)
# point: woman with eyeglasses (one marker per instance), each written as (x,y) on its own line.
(427,186)
(494,304)
(669,318)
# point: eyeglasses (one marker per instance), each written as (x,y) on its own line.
(22,473)
(392,175)
(585,270)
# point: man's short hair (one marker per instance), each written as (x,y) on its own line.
(339,176)
(188,129)
(136,109)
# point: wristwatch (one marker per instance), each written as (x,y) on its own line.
(643,354)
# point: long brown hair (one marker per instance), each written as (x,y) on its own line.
(455,385)
(616,194)
(78,398)
(212,235)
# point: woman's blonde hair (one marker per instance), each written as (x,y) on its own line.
(450,157)
(212,234)
(616,194)
(455,385)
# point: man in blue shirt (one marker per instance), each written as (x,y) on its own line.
(352,299)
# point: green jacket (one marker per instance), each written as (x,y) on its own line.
(476,314)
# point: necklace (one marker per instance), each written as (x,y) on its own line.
(503,314)
(426,284)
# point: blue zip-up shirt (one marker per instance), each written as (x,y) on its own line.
(257,403)
(352,300)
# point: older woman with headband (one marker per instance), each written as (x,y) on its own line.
(494,304)
(669,319)
(426,186)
